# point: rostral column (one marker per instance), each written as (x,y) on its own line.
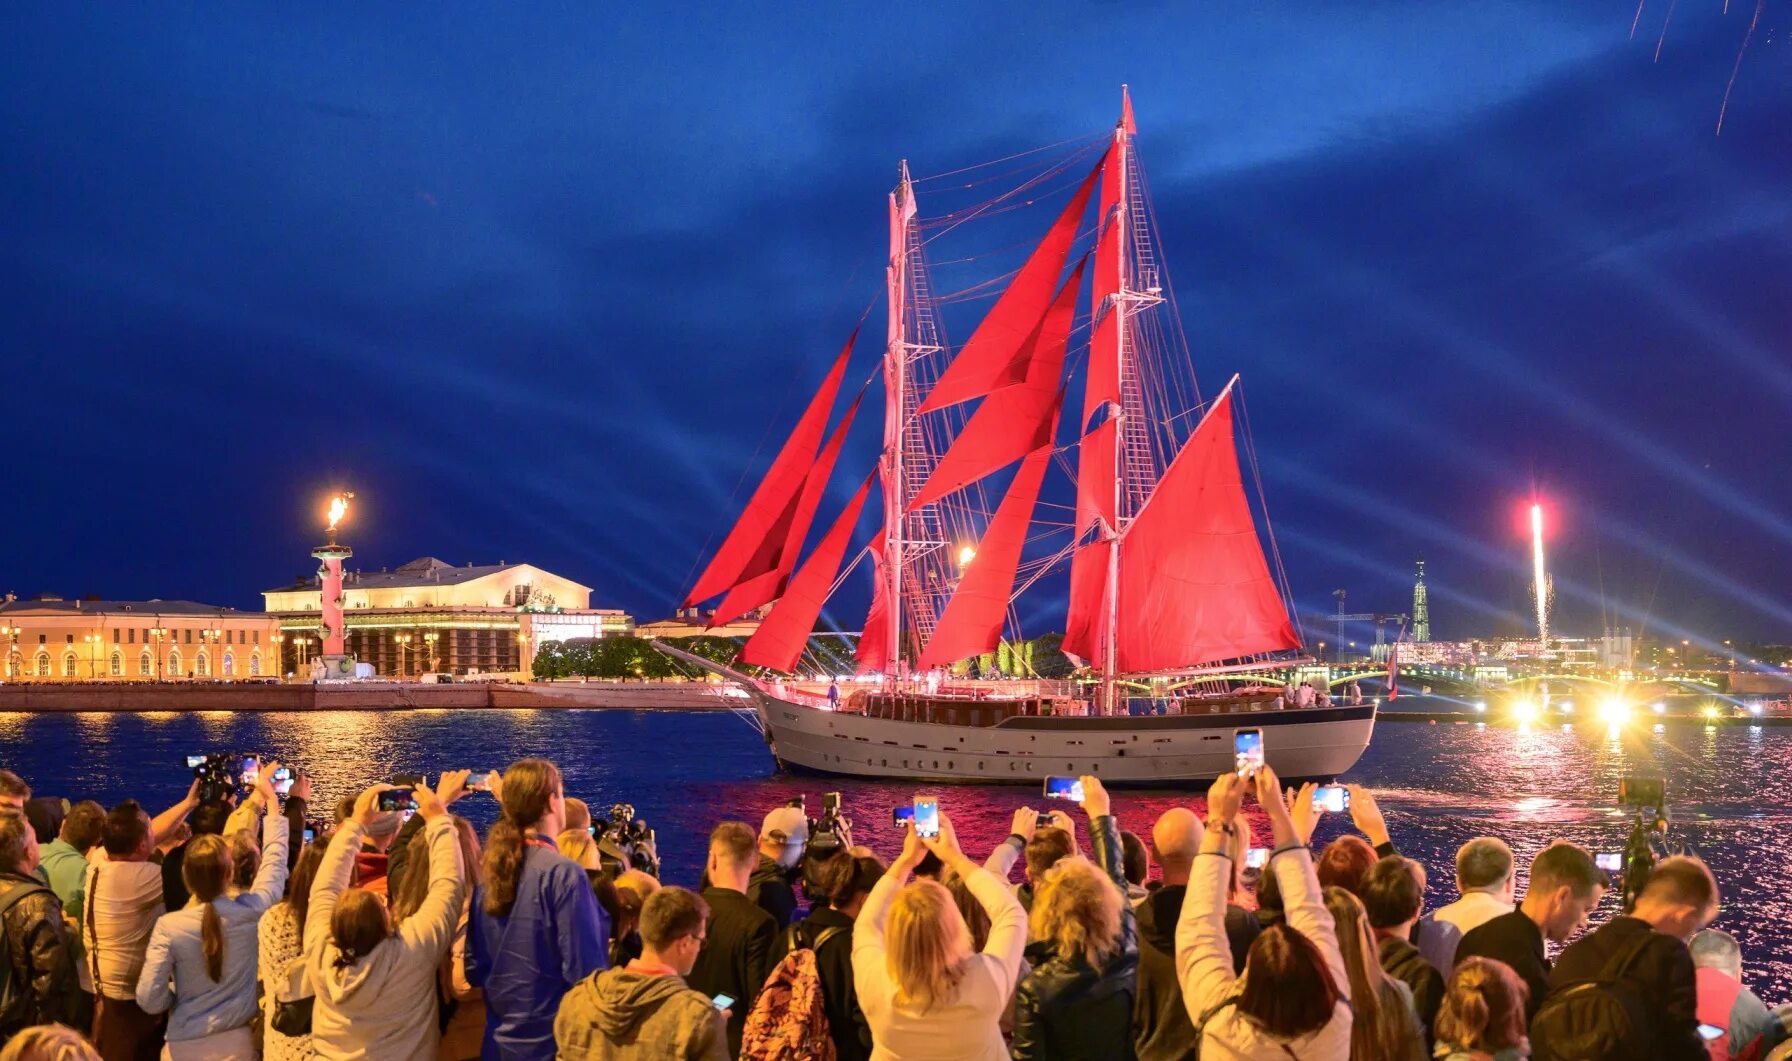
(329,573)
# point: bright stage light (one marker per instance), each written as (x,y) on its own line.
(1614,711)
(1660,708)
(1710,711)
(1524,712)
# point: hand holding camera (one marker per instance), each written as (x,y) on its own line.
(264,783)
(1095,798)
(1025,824)
(1366,813)
(367,804)
(451,786)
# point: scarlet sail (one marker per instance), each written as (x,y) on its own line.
(764,518)
(989,359)
(1194,585)
(781,637)
(873,654)
(1014,421)
(972,621)
(1085,627)
(772,564)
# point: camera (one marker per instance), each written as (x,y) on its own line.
(1647,799)
(1649,792)
(623,834)
(218,774)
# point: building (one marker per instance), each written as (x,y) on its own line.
(430,616)
(51,639)
(689,622)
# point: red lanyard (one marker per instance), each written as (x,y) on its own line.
(539,842)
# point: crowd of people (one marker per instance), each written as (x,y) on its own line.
(238,926)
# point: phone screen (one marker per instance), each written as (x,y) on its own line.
(1709,1031)
(1069,788)
(904,813)
(1332,799)
(251,770)
(397,799)
(927,816)
(1609,861)
(282,781)
(1256,858)
(194,762)
(722,1001)
(310,834)
(477,780)
(1247,747)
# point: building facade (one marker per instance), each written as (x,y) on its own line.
(50,639)
(428,616)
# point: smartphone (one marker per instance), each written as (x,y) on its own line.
(1069,788)
(1256,858)
(407,780)
(476,781)
(927,816)
(309,834)
(904,813)
(1332,799)
(194,762)
(722,1001)
(1610,861)
(397,799)
(1247,751)
(251,769)
(1710,1031)
(282,781)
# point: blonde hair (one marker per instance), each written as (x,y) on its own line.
(578,845)
(1077,910)
(49,1042)
(1483,1007)
(1379,1031)
(928,945)
(206,872)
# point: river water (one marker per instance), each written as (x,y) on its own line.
(1440,784)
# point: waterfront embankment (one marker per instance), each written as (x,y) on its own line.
(54,697)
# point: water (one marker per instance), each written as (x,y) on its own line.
(1440,784)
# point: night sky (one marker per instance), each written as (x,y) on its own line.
(537,284)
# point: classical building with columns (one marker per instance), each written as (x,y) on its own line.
(51,639)
(429,616)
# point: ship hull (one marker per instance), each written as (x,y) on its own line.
(1144,750)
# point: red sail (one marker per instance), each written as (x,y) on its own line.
(873,654)
(989,360)
(1104,339)
(769,569)
(1085,629)
(783,481)
(1095,477)
(781,638)
(972,621)
(1194,586)
(1009,423)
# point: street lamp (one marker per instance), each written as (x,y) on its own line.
(93,648)
(404,647)
(430,640)
(12,632)
(522,653)
(159,633)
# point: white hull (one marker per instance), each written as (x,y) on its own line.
(1152,749)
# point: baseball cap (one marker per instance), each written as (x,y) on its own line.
(787,825)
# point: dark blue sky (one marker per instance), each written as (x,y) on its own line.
(533,283)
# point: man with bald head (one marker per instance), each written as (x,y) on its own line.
(1160,1023)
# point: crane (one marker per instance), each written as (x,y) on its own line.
(1380,619)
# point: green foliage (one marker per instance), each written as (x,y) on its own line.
(625,657)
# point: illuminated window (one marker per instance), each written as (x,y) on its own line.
(174,664)
(254,664)
(229,665)
(43,664)
(117,665)
(145,665)
(201,667)
(68,665)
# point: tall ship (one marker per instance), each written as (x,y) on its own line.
(1173,615)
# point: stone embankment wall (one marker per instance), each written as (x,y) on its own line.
(354,696)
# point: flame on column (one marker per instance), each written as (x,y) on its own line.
(338,509)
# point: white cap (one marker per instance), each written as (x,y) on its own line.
(787,825)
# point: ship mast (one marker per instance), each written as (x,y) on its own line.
(894,464)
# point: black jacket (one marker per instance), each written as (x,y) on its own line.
(1402,961)
(1663,976)
(1516,940)
(1161,1030)
(736,956)
(833,964)
(38,958)
(770,887)
(1066,1009)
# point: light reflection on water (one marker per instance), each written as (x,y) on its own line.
(1440,784)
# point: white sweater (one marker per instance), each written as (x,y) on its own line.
(1204,961)
(382,1007)
(964,1028)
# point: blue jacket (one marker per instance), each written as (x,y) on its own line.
(554,936)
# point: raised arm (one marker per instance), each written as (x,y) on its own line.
(1203,956)
(1303,903)
(1007,918)
(1104,841)
(430,930)
(1001,861)
(270,877)
(164,824)
(868,928)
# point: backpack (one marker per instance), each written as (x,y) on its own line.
(1601,1019)
(16,999)
(787,1022)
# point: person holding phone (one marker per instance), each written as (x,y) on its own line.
(644,1011)
(924,991)
(370,975)
(1291,1001)
(1079,1001)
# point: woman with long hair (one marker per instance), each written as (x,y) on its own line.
(1384,1026)
(462,1005)
(839,885)
(924,990)
(536,928)
(1482,1016)
(372,973)
(281,933)
(1078,1001)
(1290,1001)
(201,962)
